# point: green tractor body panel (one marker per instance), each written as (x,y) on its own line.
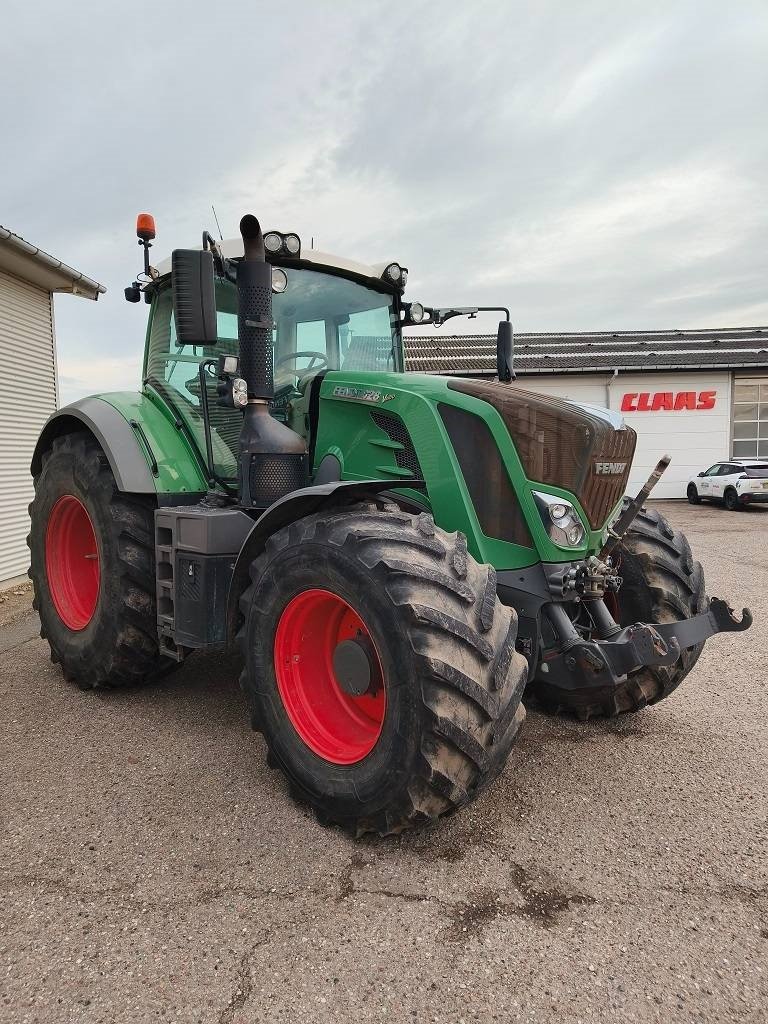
(353,407)
(175,464)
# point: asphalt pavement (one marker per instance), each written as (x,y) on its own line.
(154,869)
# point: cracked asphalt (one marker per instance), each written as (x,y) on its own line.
(154,869)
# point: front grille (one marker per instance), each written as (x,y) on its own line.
(496,506)
(560,444)
(396,430)
(600,492)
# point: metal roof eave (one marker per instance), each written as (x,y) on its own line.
(521,371)
(28,262)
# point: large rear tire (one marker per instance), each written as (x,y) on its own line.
(444,705)
(92,568)
(662,583)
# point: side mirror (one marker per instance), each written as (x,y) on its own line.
(194,297)
(505,352)
(701,474)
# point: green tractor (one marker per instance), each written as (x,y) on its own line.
(402,559)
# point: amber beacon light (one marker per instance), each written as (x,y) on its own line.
(145,227)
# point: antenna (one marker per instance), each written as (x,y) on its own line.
(217,222)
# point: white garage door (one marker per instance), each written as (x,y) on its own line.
(27,398)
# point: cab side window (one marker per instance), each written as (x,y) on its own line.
(713,470)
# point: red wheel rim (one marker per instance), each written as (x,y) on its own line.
(72,562)
(337,726)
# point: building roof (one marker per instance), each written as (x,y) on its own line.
(591,352)
(26,261)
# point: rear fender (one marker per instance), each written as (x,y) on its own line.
(117,438)
(297,505)
(145,450)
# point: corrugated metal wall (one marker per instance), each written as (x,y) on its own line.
(27,398)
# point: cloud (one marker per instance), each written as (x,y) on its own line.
(592,166)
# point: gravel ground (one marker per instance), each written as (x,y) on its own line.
(154,869)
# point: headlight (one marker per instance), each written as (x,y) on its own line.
(416,312)
(273,242)
(575,535)
(560,519)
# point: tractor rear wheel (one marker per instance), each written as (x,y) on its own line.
(380,667)
(661,583)
(92,568)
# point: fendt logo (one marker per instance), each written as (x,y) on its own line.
(667,401)
(610,468)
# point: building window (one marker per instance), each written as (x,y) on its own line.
(750,418)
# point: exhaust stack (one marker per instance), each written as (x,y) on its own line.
(273,458)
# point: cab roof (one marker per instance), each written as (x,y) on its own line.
(232,248)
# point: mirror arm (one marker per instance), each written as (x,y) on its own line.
(438,316)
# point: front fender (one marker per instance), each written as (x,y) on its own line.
(292,507)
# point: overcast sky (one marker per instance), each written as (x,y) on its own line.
(591,165)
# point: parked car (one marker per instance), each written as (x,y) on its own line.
(736,483)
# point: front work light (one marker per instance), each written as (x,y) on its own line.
(273,242)
(279,280)
(561,520)
(276,243)
(416,312)
(394,272)
(292,244)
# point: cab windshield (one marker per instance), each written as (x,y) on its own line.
(322,322)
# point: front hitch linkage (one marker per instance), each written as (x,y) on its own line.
(608,662)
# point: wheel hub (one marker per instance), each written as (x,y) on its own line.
(329,676)
(356,667)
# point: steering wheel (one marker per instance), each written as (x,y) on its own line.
(311,355)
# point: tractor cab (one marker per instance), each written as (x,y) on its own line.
(328,313)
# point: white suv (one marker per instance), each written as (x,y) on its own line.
(737,482)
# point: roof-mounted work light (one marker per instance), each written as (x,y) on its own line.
(278,244)
(396,275)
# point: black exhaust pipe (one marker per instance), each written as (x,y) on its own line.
(273,458)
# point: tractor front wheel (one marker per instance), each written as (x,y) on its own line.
(92,567)
(380,667)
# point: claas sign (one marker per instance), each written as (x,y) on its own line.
(667,401)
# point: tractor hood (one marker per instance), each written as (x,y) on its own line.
(579,448)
